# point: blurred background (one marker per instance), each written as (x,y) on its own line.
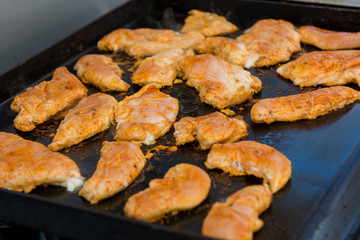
(29,27)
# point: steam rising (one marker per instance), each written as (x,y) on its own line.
(168,20)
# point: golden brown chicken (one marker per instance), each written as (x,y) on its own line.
(100,71)
(209,24)
(25,165)
(328,68)
(237,218)
(270,41)
(228,49)
(145,115)
(209,129)
(183,187)
(309,105)
(120,163)
(43,101)
(149,48)
(329,40)
(218,82)
(251,158)
(160,68)
(91,116)
(121,39)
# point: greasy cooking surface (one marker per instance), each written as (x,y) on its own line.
(323,153)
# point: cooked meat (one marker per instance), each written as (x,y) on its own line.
(91,116)
(149,48)
(39,103)
(328,68)
(237,218)
(120,163)
(183,187)
(145,115)
(309,105)
(121,39)
(25,165)
(228,49)
(160,68)
(258,197)
(269,42)
(227,112)
(329,40)
(219,83)
(210,129)
(100,71)
(251,158)
(209,24)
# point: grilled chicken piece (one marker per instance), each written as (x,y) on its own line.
(149,48)
(309,105)
(183,187)
(100,71)
(328,68)
(160,68)
(210,129)
(269,42)
(209,24)
(228,49)
(120,163)
(121,39)
(251,158)
(329,40)
(237,218)
(91,116)
(25,165)
(40,103)
(219,83)
(145,115)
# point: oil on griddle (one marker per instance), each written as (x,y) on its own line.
(288,138)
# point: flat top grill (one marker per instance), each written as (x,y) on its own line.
(320,201)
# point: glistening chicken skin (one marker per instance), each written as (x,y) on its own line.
(25,164)
(218,82)
(93,114)
(146,115)
(43,101)
(183,187)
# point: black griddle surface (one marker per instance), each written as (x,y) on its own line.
(319,201)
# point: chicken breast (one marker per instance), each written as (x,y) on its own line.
(251,158)
(40,103)
(160,68)
(210,129)
(183,187)
(228,49)
(209,24)
(329,40)
(145,115)
(269,42)
(219,83)
(100,71)
(328,68)
(25,164)
(148,48)
(309,105)
(120,39)
(120,163)
(91,116)
(237,218)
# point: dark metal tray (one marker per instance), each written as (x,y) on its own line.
(321,201)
